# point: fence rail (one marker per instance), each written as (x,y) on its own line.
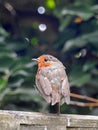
(17,120)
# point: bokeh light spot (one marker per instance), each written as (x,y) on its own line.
(42,27)
(50,4)
(41,10)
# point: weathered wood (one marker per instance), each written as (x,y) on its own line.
(17,120)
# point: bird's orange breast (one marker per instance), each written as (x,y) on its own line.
(42,63)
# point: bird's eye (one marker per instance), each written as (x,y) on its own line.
(46,59)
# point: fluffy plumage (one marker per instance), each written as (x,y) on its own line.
(52,81)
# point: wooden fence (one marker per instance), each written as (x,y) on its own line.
(16,120)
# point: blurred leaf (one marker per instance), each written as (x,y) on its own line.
(6,62)
(77,75)
(95,71)
(89,65)
(21,72)
(16,83)
(83,10)
(85,14)
(2,39)
(8,55)
(78,42)
(95,8)
(94,83)
(79,81)
(2,82)
(64,36)
(3,93)
(16,44)
(65,22)
(81,41)
(3,32)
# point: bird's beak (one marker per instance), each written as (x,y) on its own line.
(35,59)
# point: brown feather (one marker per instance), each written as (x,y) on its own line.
(52,81)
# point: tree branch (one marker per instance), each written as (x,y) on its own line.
(84,97)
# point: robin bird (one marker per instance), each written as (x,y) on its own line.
(51,80)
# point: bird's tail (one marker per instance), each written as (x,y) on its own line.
(55,97)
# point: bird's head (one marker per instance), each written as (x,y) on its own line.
(45,60)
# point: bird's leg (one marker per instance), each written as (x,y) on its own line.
(58,108)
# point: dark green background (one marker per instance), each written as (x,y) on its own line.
(71,36)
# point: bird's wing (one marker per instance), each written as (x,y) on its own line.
(66,90)
(44,87)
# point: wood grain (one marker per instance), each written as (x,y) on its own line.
(18,120)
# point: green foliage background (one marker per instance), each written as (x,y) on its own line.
(71,35)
